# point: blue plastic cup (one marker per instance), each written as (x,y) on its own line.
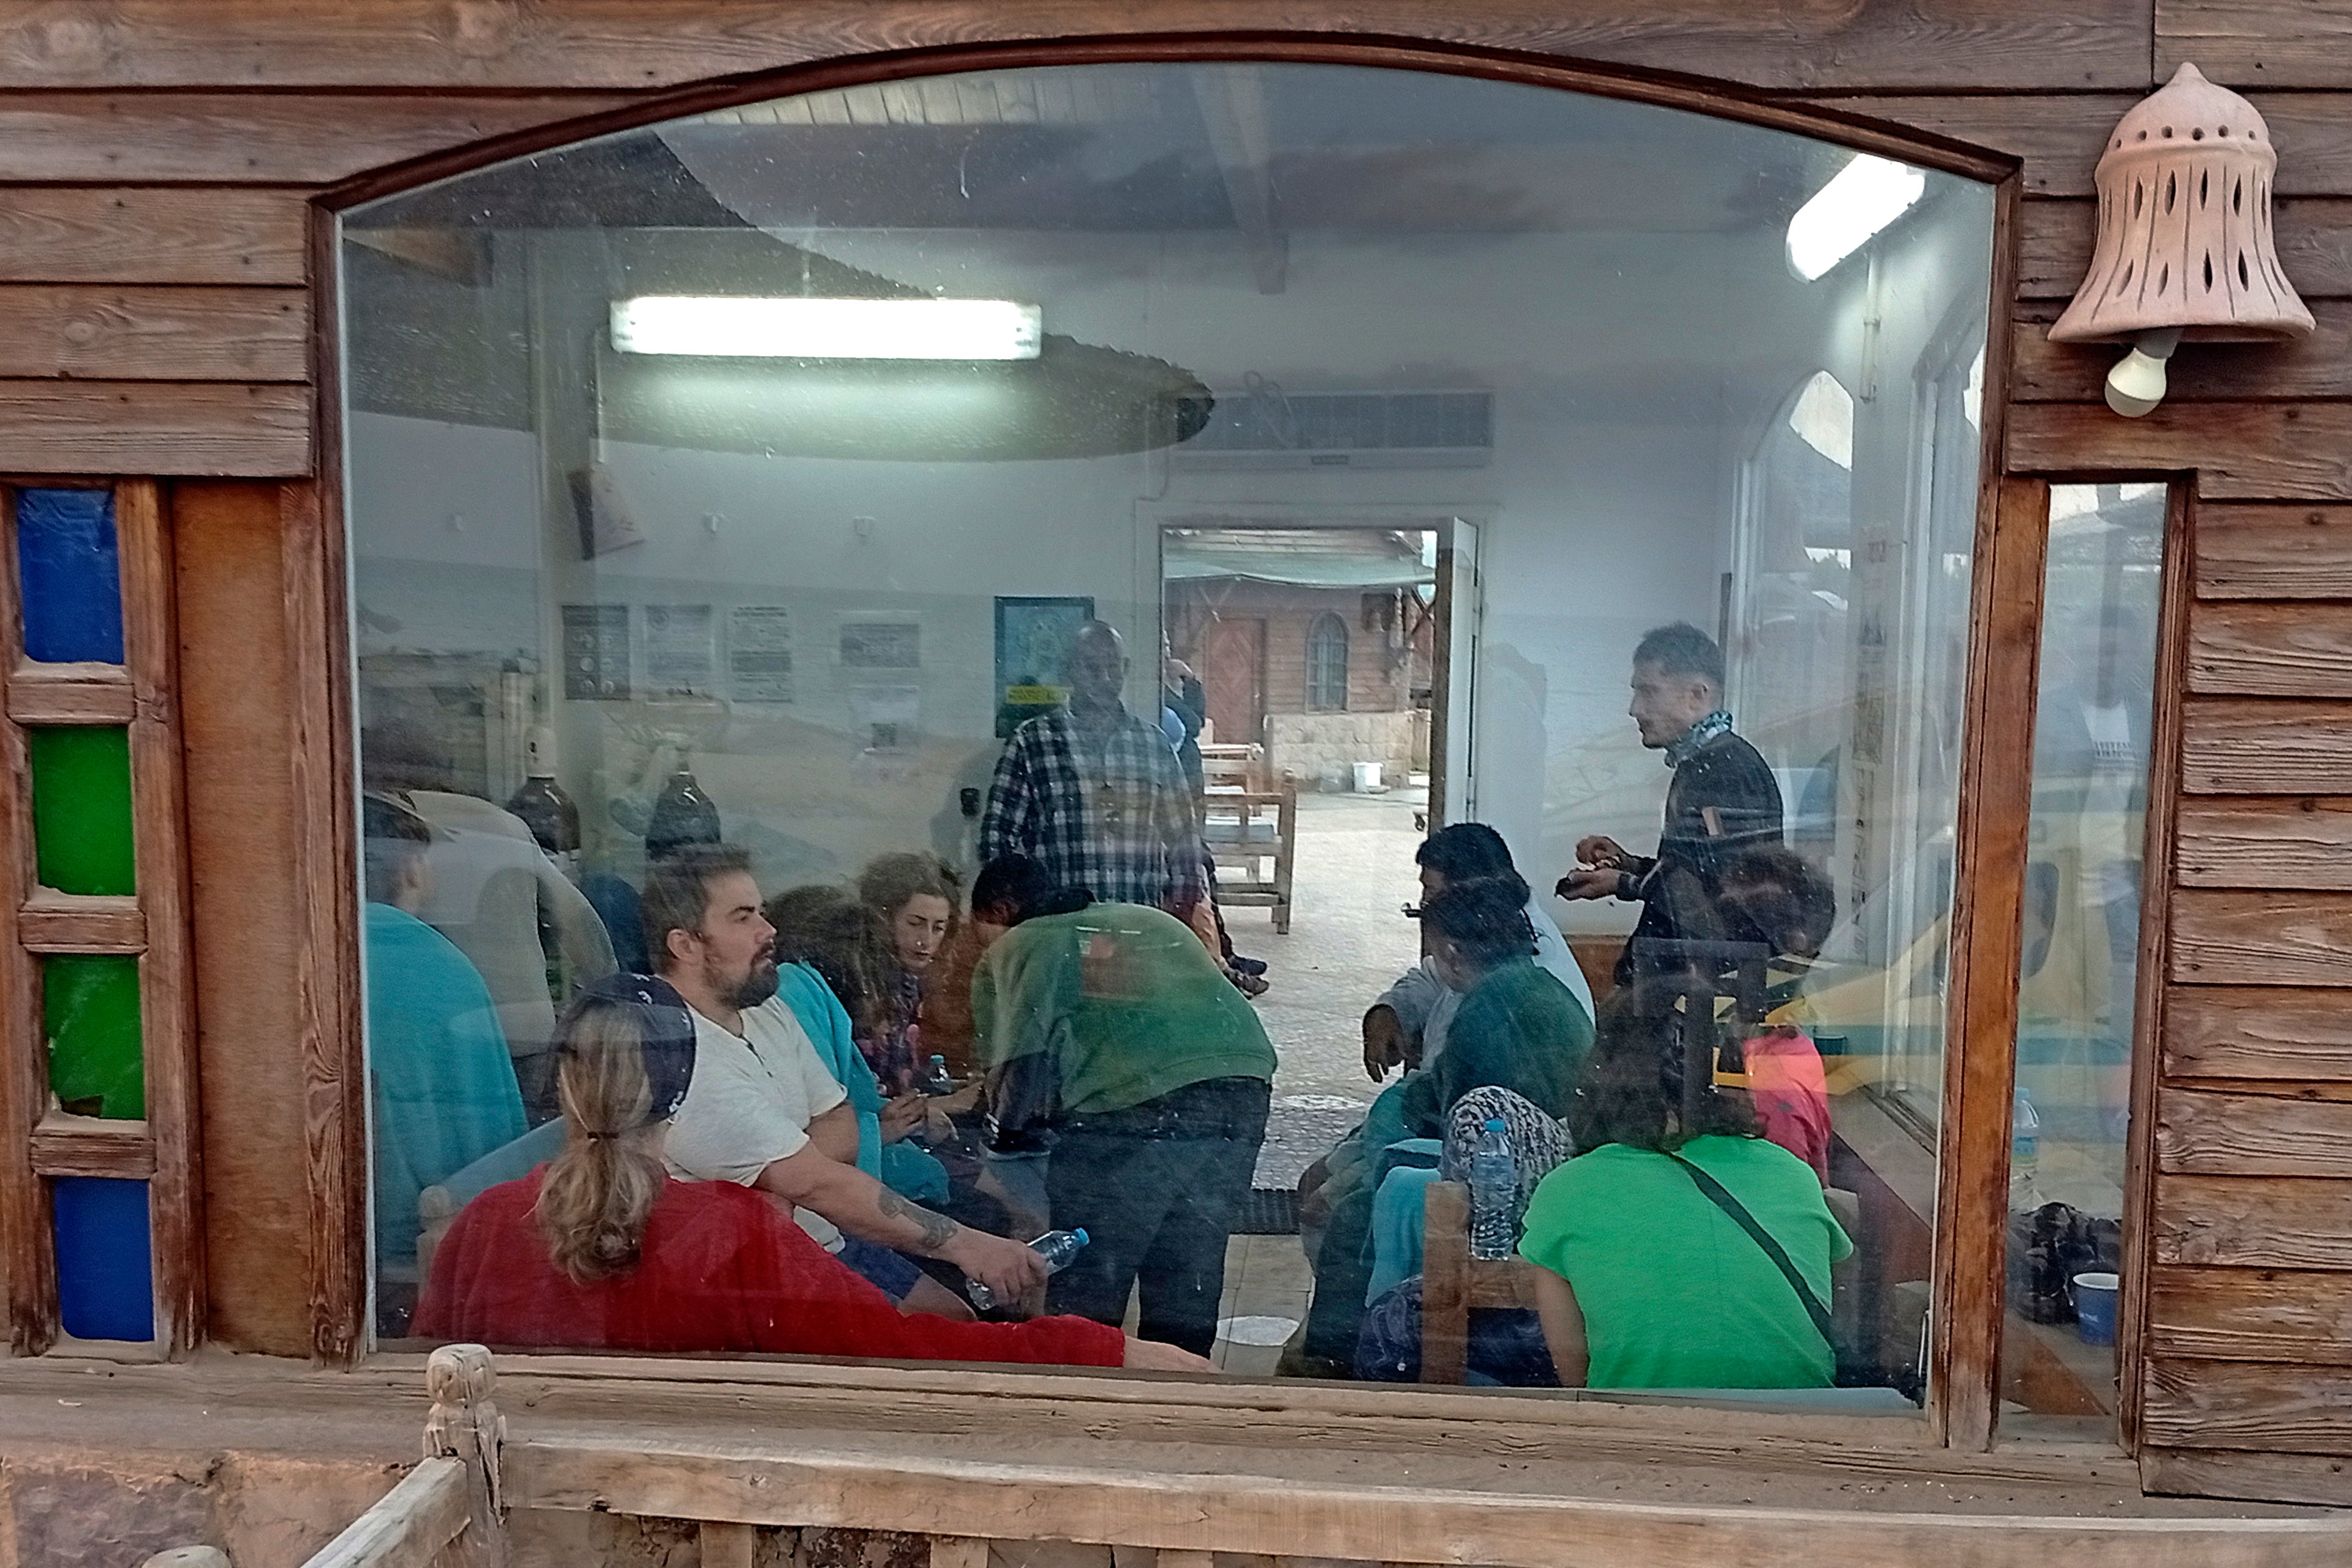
(2094,1307)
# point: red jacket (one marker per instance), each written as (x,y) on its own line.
(721,1269)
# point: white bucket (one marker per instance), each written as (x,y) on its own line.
(1368,778)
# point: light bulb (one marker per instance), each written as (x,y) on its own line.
(2137,384)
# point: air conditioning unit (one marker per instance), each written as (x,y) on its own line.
(1262,426)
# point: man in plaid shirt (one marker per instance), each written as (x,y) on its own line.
(1094,794)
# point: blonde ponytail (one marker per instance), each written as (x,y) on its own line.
(599,1191)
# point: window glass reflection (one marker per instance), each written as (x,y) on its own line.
(2080,970)
(912,643)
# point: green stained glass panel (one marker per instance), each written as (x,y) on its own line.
(90,1004)
(82,809)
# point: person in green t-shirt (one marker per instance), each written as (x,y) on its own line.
(1112,1037)
(1648,1283)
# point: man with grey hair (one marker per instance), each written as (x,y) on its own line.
(1094,795)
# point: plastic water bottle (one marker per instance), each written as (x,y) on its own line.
(935,1079)
(1493,1193)
(2024,1153)
(1059,1249)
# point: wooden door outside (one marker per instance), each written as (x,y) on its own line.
(1232,673)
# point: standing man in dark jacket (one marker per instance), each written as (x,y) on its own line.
(1723,801)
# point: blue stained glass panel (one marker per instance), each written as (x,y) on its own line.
(71,570)
(106,1281)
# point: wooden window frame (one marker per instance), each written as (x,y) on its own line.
(162,1149)
(1314,630)
(1976,1183)
(1986,923)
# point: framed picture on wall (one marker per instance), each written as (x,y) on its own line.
(1033,647)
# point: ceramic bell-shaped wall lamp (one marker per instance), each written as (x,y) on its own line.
(2184,248)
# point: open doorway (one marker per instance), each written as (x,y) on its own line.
(1327,670)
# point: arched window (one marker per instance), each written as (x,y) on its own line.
(1327,664)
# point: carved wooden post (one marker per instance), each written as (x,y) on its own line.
(466,1425)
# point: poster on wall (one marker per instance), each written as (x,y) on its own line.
(760,653)
(1033,647)
(881,644)
(595,652)
(681,657)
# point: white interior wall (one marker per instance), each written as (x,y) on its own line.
(1629,372)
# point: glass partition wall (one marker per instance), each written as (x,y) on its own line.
(912,640)
(2077,996)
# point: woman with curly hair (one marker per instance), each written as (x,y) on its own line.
(912,898)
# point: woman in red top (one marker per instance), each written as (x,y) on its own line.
(600,1249)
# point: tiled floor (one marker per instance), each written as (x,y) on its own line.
(1349,940)
(1266,1278)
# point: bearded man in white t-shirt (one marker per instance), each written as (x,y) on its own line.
(762,1110)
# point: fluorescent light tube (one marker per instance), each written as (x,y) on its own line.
(795,327)
(1862,198)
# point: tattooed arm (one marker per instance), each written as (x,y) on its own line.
(938,1228)
(863,1206)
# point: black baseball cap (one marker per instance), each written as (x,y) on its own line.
(664,1026)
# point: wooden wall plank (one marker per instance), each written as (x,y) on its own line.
(2213,1472)
(1245,1513)
(2267,43)
(2251,452)
(2249,1404)
(2270,1032)
(151,234)
(2318,365)
(2159,851)
(620,44)
(2261,938)
(199,430)
(2252,1315)
(2203,1133)
(2059,137)
(2246,649)
(192,334)
(325,973)
(2313,236)
(235,728)
(2240,747)
(2250,550)
(250,138)
(2302,842)
(2056,138)
(2238,1222)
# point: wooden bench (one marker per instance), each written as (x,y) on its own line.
(1254,832)
(1454,1284)
(1235,766)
